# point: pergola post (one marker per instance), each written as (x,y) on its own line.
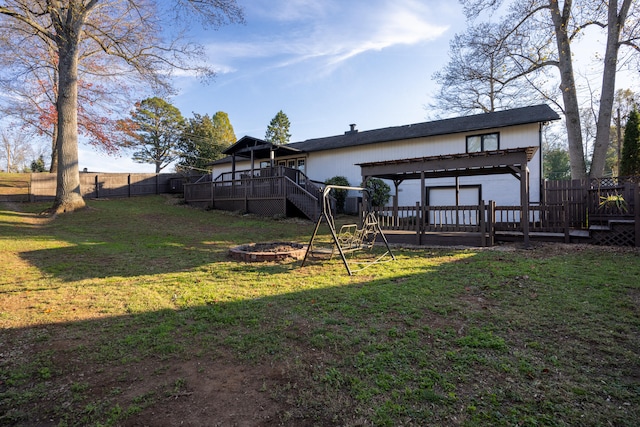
(524,202)
(423,204)
(396,184)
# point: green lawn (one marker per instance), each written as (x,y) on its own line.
(131,313)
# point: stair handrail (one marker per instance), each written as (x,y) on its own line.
(301,188)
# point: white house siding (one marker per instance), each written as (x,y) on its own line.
(504,189)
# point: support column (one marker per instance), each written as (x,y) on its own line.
(457,201)
(524,202)
(423,202)
(396,221)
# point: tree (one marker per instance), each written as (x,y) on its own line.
(15,149)
(128,31)
(38,164)
(379,191)
(29,82)
(204,139)
(480,77)
(339,195)
(630,162)
(539,34)
(625,101)
(278,129)
(154,132)
(618,34)
(556,164)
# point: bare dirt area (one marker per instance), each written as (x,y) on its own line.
(217,391)
(219,394)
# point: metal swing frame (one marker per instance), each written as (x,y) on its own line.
(350,238)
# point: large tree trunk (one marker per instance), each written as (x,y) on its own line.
(615,23)
(68,196)
(568,87)
(54,151)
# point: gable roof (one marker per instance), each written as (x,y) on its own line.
(474,123)
(261,148)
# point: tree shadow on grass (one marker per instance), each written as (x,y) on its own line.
(255,361)
(362,350)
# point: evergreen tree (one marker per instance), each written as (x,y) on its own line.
(556,164)
(278,130)
(38,165)
(204,139)
(154,131)
(630,161)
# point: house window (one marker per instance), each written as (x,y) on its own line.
(301,166)
(486,142)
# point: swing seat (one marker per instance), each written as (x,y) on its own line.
(348,237)
(352,238)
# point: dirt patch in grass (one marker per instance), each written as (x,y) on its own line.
(154,391)
(186,393)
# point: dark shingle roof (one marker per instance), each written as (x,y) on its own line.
(475,123)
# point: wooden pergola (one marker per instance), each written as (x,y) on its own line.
(513,161)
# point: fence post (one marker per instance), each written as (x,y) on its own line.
(213,190)
(565,220)
(482,210)
(129,185)
(283,192)
(96,185)
(420,214)
(492,223)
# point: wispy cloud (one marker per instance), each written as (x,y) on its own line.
(330,32)
(294,10)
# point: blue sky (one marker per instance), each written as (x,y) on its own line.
(330,63)
(324,63)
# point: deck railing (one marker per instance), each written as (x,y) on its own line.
(436,218)
(246,188)
(484,218)
(542,218)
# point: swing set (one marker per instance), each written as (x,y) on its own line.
(350,238)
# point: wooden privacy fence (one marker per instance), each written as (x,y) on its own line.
(593,201)
(108,185)
(607,210)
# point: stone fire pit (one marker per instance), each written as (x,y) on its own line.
(272,251)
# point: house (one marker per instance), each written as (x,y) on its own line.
(466,138)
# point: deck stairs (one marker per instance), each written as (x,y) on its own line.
(615,232)
(303,197)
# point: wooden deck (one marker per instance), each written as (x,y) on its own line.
(281,191)
(277,191)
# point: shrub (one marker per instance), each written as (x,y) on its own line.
(379,191)
(339,195)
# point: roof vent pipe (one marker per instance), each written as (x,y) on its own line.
(352,130)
